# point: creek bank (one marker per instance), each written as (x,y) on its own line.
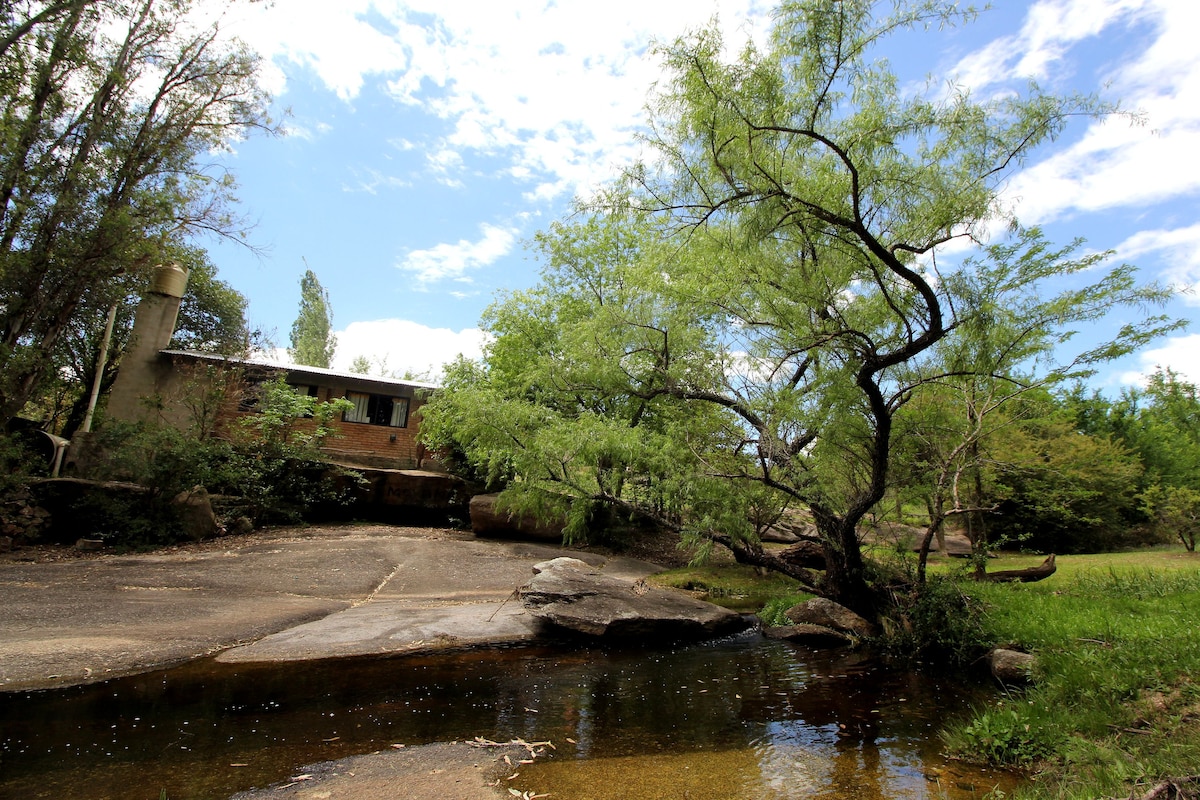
(286,594)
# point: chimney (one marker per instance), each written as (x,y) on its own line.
(139,375)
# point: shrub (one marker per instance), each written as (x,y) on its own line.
(936,620)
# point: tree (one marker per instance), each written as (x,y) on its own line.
(1160,423)
(989,386)
(313,341)
(733,331)
(109,112)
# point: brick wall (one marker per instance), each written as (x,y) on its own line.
(354,443)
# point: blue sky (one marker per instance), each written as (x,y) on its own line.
(427,140)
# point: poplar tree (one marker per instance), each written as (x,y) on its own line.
(312,338)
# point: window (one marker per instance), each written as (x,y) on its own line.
(377,409)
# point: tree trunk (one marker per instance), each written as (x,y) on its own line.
(1027,575)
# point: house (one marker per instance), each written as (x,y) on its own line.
(189,389)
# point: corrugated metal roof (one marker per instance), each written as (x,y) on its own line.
(296,373)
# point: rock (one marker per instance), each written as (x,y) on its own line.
(195,514)
(89,545)
(816,635)
(568,593)
(486,520)
(1011,666)
(779,535)
(829,614)
(239,526)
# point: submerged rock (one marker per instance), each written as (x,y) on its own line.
(813,635)
(570,594)
(828,614)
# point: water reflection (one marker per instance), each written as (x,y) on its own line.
(742,716)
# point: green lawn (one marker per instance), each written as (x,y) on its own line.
(1114,705)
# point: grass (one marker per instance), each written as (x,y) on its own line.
(1114,705)
(736,586)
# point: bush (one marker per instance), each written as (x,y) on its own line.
(1009,735)
(935,621)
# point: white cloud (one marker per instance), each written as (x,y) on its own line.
(554,88)
(1180,354)
(454,260)
(399,346)
(1179,248)
(1115,164)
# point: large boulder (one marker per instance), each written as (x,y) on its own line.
(811,635)
(828,614)
(568,593)
(488,521)
(194,511)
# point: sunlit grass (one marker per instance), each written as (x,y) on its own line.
(736,586)
(1114,704)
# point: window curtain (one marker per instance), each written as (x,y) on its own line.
(360,412)
(399,412)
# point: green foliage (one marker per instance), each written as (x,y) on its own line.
(1010,735)
(212,314)
(1059,491)
(774,612)
(936,622)
(738,586)
(111,110)
(17,461)
(1174,511)
(312,336)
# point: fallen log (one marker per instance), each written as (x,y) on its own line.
(1027,575)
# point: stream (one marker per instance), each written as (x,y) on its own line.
(741,717)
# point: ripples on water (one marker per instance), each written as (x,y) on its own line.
(742,717)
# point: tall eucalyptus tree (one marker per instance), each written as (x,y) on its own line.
(109,111)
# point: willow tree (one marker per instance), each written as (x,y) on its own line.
(732,331)
(109,114)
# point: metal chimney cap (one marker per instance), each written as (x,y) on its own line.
(169,280)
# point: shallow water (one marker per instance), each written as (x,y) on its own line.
(741,717)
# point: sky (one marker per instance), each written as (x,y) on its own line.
(427,141)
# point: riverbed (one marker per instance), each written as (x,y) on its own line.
(738,717)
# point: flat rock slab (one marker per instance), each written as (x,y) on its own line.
(430,772)
(94,618)
(392,626)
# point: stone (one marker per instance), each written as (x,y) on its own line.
(828,614)
(815,635)
(487,521)
(807,555)
(1011,666)
(568,593)
(195,514)
(239,526)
